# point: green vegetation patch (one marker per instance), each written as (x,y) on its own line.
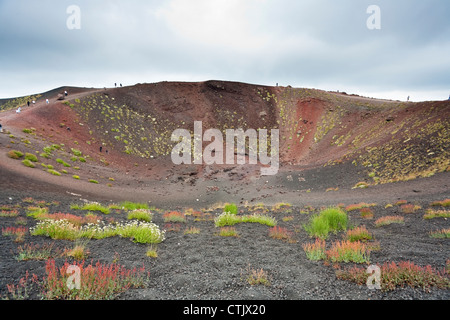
(229,219)
(28,163)
(128,205)
(230,208)
(93,206)
(328,220)
(76,152)
(31,157)
(14,154)
(140,214)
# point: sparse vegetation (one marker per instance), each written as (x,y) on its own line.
(358,206)
(174,216)
(56,229)
(78,221)
(17,232)
(256,277)
(17,102)
(76,152)
(92,206)
(31,157)
(9,213)
(140,214)
(65,164)
(36,212)
(79,251)
(14,154)
(280,233)
(229,219)
(329,220)
(409,208)
(192,230)
(348,251)
(282,207)
(54,172)
(398,275)
(99,281)
(30,251)
(441,234)
(315,251)
(152,252)
(48,150)
(443,203)
(128,205)
(358,234)
(384,221)
(431,214)
(28,163)
(228,232)
(361,185)
(141,232)
(230,208)
(366,213)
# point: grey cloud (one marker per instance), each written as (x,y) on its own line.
(307,42)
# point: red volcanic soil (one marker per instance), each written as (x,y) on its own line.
(316,128)
(310,111)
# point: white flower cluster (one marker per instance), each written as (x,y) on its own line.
(98,230)
(139,231)
(49,225)
(141,214)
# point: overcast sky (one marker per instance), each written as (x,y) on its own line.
(323,44)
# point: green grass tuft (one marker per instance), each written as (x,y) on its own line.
(14,154)
(229,219)
(31,157)
(28,163)
(331,219)
(54,172)
(140,214)
(230,208)
(76,152)
(128,205)
(96,207)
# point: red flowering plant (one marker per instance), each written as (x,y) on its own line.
(96,281)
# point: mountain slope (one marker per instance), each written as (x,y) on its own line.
(316,127)
(343,139)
